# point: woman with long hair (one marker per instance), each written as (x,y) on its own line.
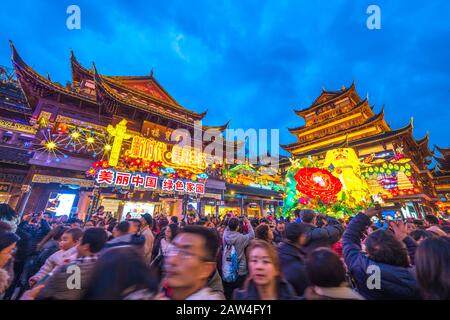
(170,232)
(121,274)
(433,268)
(264,281)
(264,232)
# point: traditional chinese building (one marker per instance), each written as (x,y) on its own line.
(113,123)
(441,175)
(253,190)
(16,136)
(396,163)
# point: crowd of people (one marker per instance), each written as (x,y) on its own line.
(310,257)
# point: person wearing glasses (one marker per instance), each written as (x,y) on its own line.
(190,260)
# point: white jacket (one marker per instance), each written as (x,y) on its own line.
(57,259)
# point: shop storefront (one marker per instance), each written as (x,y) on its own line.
(250,201)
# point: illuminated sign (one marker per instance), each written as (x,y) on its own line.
(152,150)
(189,157)
(9,125)
(148,149)
(147,182)
(180,157)
(119,134)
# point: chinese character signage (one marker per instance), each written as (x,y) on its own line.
(147,182)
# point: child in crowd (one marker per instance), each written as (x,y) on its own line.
(66,254)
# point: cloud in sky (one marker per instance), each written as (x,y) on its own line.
(253,61)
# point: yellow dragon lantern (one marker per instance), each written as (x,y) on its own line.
(347,168)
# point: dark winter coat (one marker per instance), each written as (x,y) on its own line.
(395,282)
(278,236)
(37,233)
(293,266)
(322,236)
(250,292)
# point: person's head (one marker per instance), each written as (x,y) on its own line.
(419,223)
(254,222)
(48,216)
(297,213)
(63,218)
(280,226)
(146,220)
(263,232)
(89,224)
(431,220)
(410,226)
(170,232)
(7,245)
(70,238)
(191,258)
(100,210)
(295,233)
(110,226)
(324,268)
(233,224)
(92,241)
(372,228)
(128,216)
(308,216)
(135,226)
(263,263)
(121,229)
(7,212)
(162,223)
(118,273)
(174,219)
(433,268)
(382,246)
(75,223)
(58,231)
(5,226)
(420,234)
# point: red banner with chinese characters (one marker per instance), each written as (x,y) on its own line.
(114,178)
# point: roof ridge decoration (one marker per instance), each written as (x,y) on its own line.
(406,128)
(22,68)
(102,87)
(316,104)
(358,105)
(115,80)
(442,151)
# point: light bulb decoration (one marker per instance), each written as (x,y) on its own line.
(50,147)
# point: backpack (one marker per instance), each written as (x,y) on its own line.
(230,263)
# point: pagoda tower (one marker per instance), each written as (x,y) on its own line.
(441,175)
(341,118)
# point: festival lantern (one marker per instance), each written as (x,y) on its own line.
(318,183)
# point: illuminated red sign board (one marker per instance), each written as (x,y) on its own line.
(147,182)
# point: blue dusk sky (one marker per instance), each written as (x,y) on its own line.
(253,61)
